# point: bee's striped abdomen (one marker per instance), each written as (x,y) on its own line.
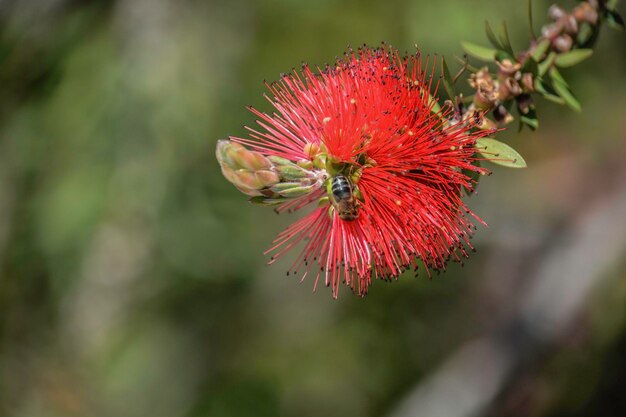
(341,188)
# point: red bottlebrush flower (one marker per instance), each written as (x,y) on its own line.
(390,169)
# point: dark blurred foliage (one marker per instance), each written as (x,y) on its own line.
(132,280)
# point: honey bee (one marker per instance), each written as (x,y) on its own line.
(342,198)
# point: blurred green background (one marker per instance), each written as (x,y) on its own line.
(132,280)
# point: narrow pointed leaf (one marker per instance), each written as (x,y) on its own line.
(448,83)
(563,90)
(614,20)
(435,108)
(504,38)
(465,63)
(540,50)
(502,55)
(585,35)
(296,192)
(546,64)
(265,201)
(480,52)
(499,153)
(530,119)
(569,59)
(531,66)
(531,25)
(492,36)
(283,186)
(547,91)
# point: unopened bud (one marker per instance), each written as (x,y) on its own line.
(584,12)
(294,190)
(571,25)
(306,164)
(252,183)
(479,121)
(249,171)
(486,89)
(552,30)
(528,82)
(236,156)
(486,124)
(555,12)
(594,3)
(267,178)
(311,150)
(278,161)
(291,172)
(266,201)
(563,43)
(508,67)
(509,88)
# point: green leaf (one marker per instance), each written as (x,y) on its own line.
(448,83)
(465,64)
(530,119)
(547,91)
(585,34)
(492,36)
(614,20)
(502,55)
(531,66)
(433,102)
(531,25)
(480,52)
(504,38)
(540,50)
(499,153)
(547,63)
(563,90)
(571,58)
(266,201)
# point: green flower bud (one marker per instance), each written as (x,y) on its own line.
(267,178)
(291,172)
(236,156)
(298,191)
(247,179)
(249,171)
(266,201)
(283,186)
(278,161)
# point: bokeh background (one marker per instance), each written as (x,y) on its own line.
(132,280)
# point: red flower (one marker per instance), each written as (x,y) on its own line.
(369,123)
